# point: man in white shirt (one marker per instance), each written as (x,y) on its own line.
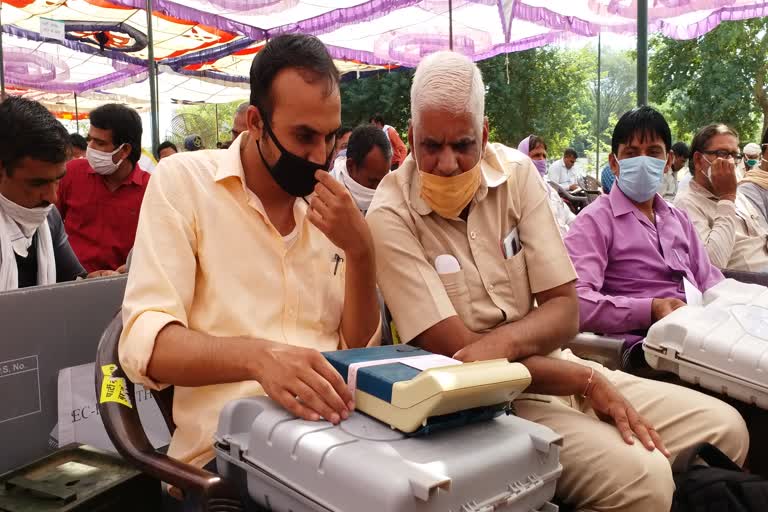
(564,172)
(727,223)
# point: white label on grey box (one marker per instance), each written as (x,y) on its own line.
(20,388)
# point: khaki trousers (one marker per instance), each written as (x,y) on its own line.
(603,473)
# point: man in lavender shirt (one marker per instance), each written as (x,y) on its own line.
(631,250)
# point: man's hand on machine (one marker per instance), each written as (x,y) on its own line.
(484,349)
(662,307)
(304,383)
(611,406)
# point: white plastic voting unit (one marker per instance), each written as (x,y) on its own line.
(504,465)
(721,346)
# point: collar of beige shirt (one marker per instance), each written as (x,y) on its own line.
(231,167)
(493,175)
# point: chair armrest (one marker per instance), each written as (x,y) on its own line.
(604,350)
(760,278)
(126,432)
(567,195)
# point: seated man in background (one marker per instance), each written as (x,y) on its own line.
(239,121)
(536,149)
(750,160)
(564,171)
(237,280)
(668,186)
(166,149)
(680,160)
(340,150)
(465,242)
(754,186)
(342,141)
(630,248)
(679,163)
(368,159)
(729,225)
(34,149)
(79,145)
(100,196)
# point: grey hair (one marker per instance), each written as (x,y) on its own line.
(449,82)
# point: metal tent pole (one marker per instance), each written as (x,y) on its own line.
(450,24)
(77,114)
(152,68)
(216,112)
(642,52)
(2,62)
(597,124)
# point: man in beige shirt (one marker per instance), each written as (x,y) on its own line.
(728,224)
(465,241)
(239,278)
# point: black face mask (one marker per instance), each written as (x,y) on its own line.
(293,174)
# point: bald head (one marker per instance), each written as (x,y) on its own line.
(239,123)
(449,82)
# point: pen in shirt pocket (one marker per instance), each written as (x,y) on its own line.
(337,260)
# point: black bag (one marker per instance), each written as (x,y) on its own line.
(719,487)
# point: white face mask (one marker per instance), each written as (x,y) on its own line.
(28,221)
(709,169)
(101,161)
(362,195)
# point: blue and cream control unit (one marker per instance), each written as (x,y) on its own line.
(413,390)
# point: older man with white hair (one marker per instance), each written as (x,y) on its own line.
(465,242)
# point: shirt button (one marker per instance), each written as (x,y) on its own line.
(490,288)
(473,235)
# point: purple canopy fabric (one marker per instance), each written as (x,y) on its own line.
(215,40)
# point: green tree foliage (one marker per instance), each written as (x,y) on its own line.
(618,83)
(539,91)
(387,94)
(207,114)
(719,77)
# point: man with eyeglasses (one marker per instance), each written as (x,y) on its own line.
(727,223)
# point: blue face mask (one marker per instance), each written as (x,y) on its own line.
(640,177)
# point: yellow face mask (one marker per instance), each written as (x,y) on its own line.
(448,196)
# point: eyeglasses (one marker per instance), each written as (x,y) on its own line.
(721,153)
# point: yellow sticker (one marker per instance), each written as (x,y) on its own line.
(115,389)
(108,369)
(395,336)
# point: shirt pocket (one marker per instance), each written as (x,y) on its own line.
(519,290)
(331,297)
(455,284)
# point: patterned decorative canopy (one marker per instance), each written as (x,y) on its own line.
(205,47)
